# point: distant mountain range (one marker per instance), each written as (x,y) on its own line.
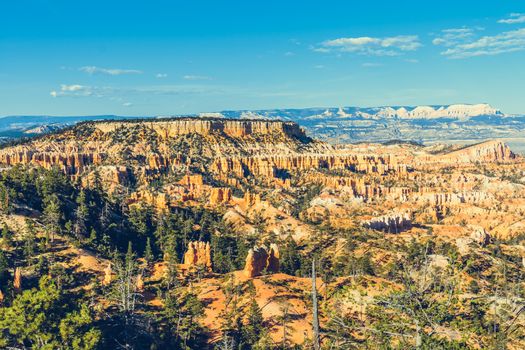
(456,122)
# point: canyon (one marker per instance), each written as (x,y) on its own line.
(270,183)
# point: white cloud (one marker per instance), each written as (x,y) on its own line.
(289,53)
(412,60)
(371,64)
(454,36)
(121,94)
(109,71)
(389,46)
(513,18)
(161,75)
(127,104)
(75,87)
(72,90)
(196,77)
(471,46)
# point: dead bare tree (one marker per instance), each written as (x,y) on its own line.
(315,310)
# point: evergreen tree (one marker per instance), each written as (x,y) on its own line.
(181,311)
(76,331)
(4,274)
(171,261)
(93,235)
(290,259)
(254,328)
(7,236)
(5,203)
(139,218)
(29,239)
(148,252)
(81,216)
(52,216)
(33,321)
(231,316)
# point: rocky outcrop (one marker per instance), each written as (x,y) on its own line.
(17,281)
(480,236)
(221,195)
(392,223)
(490,151)
(250,199)
(198,254)
(158,201)
(108,275)
(270,166)
(261,259)
(71,162)
(139,284)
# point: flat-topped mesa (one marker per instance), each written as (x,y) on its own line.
(233,128)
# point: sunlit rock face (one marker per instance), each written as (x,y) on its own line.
(198,254)
(262,259)
(392,223)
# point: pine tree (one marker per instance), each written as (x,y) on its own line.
(5,203)
(231,316)
(29,239)
(148,252)
(7,236)
(81,216)
(254,328)
(93,235)
(3,268)
(52,216)
(172,269)
(290,259)
(181,311)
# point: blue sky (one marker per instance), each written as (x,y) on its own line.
(170,57)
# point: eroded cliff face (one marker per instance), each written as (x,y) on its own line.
(267,149)
(232,128)
(241,164)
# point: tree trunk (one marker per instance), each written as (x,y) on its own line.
(315,316)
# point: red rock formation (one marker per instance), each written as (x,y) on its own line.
(220,195)
(191,181)
(251,199)
(108,275)
(17,282)
(198,254)
(260,259)
(392,223)
(140,283)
